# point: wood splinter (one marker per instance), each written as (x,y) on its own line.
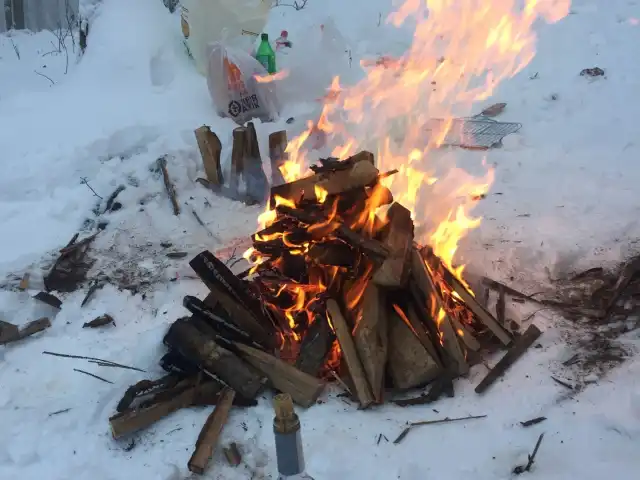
(171,190)
(210,433)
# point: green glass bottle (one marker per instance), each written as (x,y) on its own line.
(265,54)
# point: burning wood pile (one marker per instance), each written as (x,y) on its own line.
(336,292)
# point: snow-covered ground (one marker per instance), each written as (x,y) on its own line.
(564,199)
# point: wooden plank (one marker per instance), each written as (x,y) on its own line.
(519,347)
(350,354)
(278,155)
(371,338)
(210,433)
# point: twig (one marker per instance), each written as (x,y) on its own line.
(92,375)
(93,360)
(59,412)
(520,468)
(84,181)
(15,48)
(341,382)
(533,421)
(406,431)
(169,187)
(199,220)
(43,75)
(560,382)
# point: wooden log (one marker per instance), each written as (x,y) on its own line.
(168,185)
(218,323)
(519,347)
(464,335)
(243,309)
(315,347)
(256,183)
(237,156)
(409,364)
(210,151)
(210,433)
(442,320)
(214,359)
(350,354)
(371,338)
(8,332)
(429,340)
(303,388)
(29,329)
(469,300)
(394,271)
(278,155)
(360,173)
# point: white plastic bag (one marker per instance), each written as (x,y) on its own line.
(232,22)
(234,88)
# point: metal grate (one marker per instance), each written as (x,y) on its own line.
(473,132)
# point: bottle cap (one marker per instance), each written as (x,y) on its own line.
(265,36)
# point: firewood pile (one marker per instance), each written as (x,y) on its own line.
(336,292)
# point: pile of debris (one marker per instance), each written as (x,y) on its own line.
(336,292)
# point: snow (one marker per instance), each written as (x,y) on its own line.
(563,200)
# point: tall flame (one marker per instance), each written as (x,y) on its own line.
(461,51)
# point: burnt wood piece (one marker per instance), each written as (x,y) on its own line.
(49,299)
(447,334)
(315,347)
(361,172)
(210,433)
(237,156)
(210,150)
(369,245)
(335,253)
(219,324)
(70,269)
(394,271)
(519,347)
(27,330)
(111,204)
(232,454)
(426,338)
(173,362)
(350,355)
(188,392)
(481,313)
(409,364)
(464,335)
(168,185)
(244,310)
(145,388)
(278,155)
(100,321)
(214,359)
(371,338)
(256,183)
(303,388)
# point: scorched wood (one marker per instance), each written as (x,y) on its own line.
(214,359)
(360,173)
(394,271)
(243,309)
(448,335)
(469,300)
(315,347)
(350,354)
(371,338)
(518,349)
(303,388)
